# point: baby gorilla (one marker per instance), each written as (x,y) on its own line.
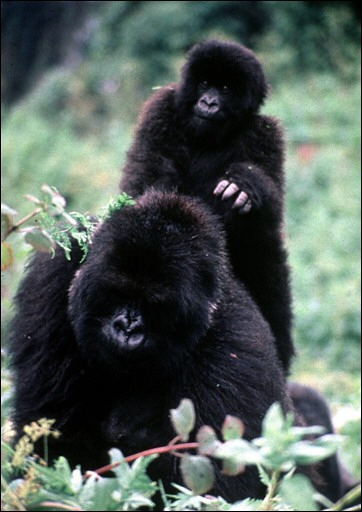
(152,316)
(205,137)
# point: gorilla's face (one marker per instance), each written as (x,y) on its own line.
(222,83)
(147,291)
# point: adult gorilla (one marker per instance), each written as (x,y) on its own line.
(204,137)
(152,316)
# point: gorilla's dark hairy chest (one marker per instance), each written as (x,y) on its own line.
(201,166)
(134,418)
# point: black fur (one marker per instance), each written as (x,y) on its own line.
(193,135)
(334,479)
(202,338)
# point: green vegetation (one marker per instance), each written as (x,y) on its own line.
(276,454)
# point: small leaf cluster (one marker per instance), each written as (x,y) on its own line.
(277,453)
(121,201)
(53,225)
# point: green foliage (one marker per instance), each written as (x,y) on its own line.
(55,226)
(232,428)
(58,487)
(183,419)
(310,37)
(121,201)
(323,224)
(298,493)
(197,473)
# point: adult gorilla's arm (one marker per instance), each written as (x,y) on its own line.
(42,345)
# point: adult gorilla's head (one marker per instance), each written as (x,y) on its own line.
(222,84)
(150,285)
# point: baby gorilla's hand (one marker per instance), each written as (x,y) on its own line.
(229,189)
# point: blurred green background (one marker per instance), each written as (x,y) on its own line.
(74,75)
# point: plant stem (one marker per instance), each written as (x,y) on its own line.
(272,489)
(23,220)
(60,506)
(152,451)
(347,498)
(45,444)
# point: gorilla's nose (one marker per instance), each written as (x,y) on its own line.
(127,329)
(209,103)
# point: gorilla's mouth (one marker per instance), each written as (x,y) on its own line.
(127,341)
(132,342)
(207,115)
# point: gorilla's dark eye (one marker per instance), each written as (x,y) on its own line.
(204,84)
(225,89)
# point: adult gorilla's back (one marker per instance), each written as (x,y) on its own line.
(153,315)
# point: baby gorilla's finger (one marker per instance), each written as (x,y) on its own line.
(241,200)
(246,208)
(220,187)
(230,191)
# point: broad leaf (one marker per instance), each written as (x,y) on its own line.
(236,454)
(208,441)
(232,428)
(183,418)
(39,239)
(197,473)
(297,492)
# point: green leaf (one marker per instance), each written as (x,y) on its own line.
(97,494)
(236,454)
(274,421)
(183,418)
(123,470)
(6,210)
(118,203)
(240,451)
(315,430)
(197,473)
(263,475)
(76,480)
(6,256)
(247,505)
(310,452)
(39,239)
(232,466)
(232,428)
(208,441)
(298,492)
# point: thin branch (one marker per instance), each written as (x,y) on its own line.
(272,489)
(60,506)
(24,219)
(352,495)
(162,449)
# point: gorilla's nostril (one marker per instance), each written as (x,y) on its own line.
(119,324)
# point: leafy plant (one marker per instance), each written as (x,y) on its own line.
(277,453)
(54,225)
